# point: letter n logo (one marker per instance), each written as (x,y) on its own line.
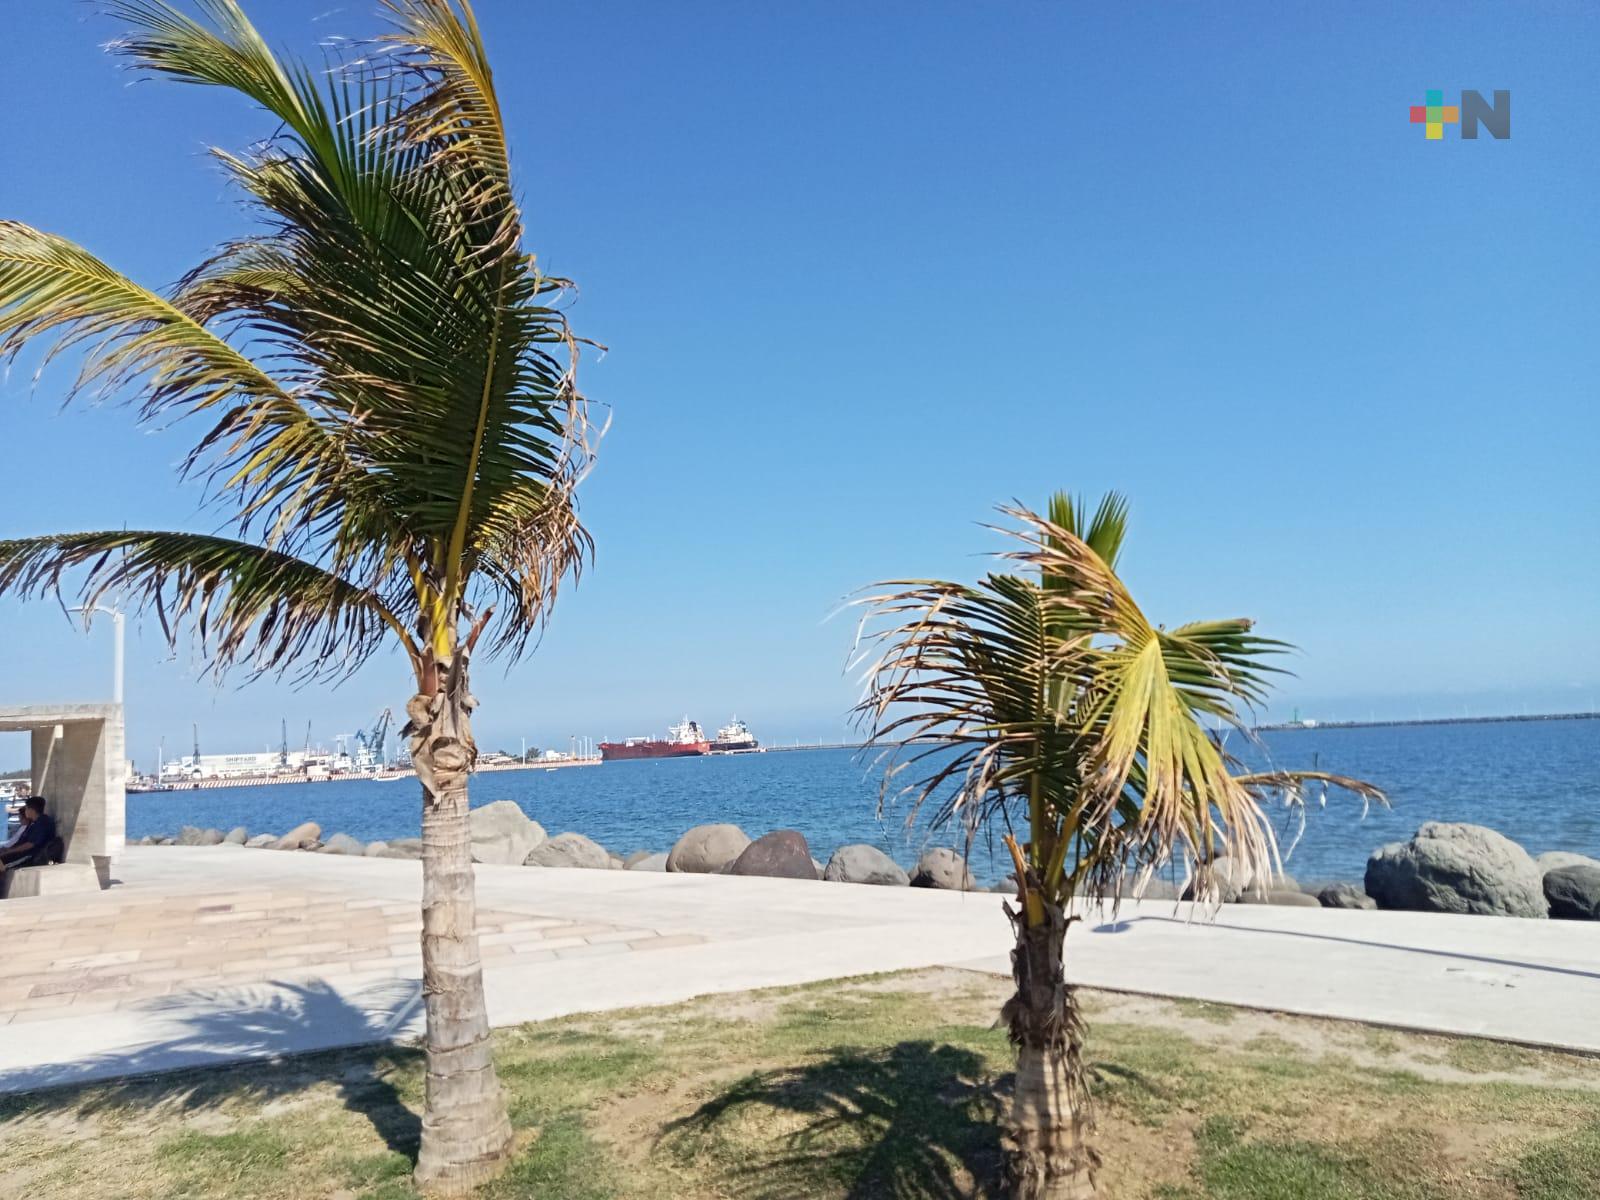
(1475,110)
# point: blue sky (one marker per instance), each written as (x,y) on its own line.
(866,270)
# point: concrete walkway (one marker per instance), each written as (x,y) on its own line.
(209,955)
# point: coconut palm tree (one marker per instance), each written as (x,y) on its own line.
(1042,701)
(389,415)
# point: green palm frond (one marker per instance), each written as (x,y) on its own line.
(244,602)
(1047,693)
(453,107)
(53,290)
(390,380)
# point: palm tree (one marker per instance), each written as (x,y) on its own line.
(389,410)
(1043,700)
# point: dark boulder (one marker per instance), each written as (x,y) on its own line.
(1573,893)
(1345,895)
(781,854)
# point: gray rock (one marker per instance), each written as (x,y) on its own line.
(300,837)
(502,833)
(638,856)
(237,836)
(376,849)
(312,846)
(1229,880)
(944,869)
(617,861)
(861,863)
(166,841)
(1454,868)
(570,850)
(403,848)
(262,841)
(1554,860)
(190,836)
(1156,889)
(781,854)
(343,843)
(817,869)
(1344,895)
(705,848)
(1573,893)
(650,862)
(1280,897)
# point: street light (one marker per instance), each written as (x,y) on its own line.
(117,628)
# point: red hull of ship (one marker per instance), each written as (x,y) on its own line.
(610,751)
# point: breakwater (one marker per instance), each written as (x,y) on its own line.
(1301,726)
(1536,782)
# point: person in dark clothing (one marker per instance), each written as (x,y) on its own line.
(39,830)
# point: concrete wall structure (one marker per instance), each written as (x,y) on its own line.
(79,767)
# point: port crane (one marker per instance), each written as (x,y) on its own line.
(371,747)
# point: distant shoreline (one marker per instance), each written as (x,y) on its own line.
(1301,725)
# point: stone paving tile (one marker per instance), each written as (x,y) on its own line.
(668,941)
(92,956)
(592,950)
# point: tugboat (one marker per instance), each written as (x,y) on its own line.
(735,738)
(682,741)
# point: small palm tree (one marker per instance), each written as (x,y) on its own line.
(1044,701)
(389,406)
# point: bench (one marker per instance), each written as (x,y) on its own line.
(54,877)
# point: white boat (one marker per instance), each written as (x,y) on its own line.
(734,737)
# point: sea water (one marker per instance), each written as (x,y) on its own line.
(1537,782)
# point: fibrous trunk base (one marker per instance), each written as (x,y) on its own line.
(1048,1142)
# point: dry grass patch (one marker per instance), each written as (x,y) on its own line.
(888,1086)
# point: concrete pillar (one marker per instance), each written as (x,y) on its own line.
(78,771)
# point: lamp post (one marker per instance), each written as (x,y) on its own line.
(117,623)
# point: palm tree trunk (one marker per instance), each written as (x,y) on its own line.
(1048,1145)
(466,1136)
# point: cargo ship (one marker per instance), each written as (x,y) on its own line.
(682,741)
(735,738)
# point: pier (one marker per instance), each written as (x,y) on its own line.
(1571,716)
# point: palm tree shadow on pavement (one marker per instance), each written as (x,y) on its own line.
(251,1031)
(913,1120)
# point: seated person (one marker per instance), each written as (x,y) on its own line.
(38,831)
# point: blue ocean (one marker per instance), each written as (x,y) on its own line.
(1537,782)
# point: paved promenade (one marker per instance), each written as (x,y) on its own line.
(209,955)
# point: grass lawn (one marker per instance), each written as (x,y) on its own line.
(887,1086)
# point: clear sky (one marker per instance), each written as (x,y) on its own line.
(866,270)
